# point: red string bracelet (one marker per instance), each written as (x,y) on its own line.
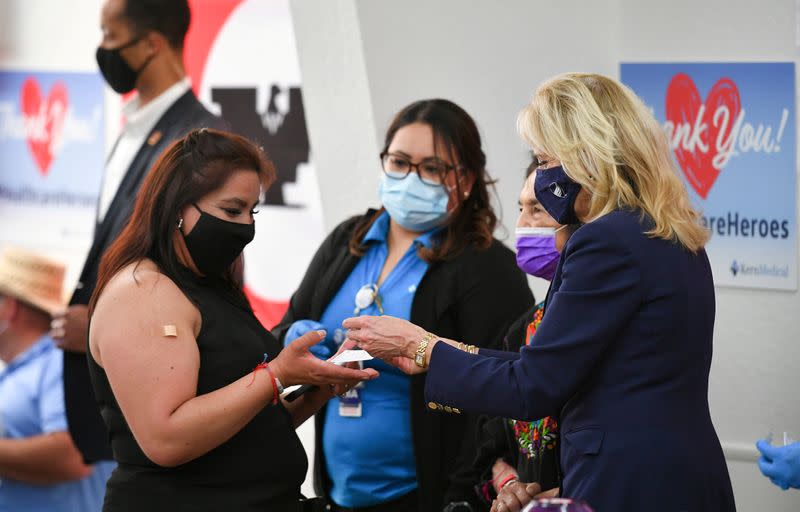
(263,365)
(506,481)
(275,395)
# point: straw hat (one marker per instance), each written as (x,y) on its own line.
(32,279)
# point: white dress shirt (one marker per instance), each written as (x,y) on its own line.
(139,122)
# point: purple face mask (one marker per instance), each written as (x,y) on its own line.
(536,251)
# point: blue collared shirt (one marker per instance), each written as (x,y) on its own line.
(370,459)
(32,404)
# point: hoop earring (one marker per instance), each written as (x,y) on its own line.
(180,222)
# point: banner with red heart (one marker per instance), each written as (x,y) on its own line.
(731,129)
(44,120)
(684,107)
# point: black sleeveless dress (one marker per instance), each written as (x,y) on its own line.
(260,468)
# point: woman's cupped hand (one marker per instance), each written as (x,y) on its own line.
(297,365)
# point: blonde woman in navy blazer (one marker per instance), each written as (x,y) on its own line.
(623,352)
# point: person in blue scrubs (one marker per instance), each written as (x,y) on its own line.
(40,468)
(427,255)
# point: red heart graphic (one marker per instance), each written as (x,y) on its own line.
(682,108)
(43,120)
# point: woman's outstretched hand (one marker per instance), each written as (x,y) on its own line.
(296,365)
(385,337)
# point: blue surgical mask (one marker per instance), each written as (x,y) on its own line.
(557,193)
(414,204)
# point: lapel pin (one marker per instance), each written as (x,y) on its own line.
(154,138)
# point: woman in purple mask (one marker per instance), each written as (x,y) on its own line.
(540,238)
(513,454)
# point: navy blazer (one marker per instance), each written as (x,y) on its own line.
(83,415)
(622,356)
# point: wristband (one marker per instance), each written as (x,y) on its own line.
(507,480)
(277,387)
(276,394)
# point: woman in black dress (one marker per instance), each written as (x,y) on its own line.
(187,380)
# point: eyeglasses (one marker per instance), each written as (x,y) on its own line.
(431,171)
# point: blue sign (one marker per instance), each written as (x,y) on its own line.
(52,156)
(731,128)
(51,138)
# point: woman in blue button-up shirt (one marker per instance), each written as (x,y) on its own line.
(429,256)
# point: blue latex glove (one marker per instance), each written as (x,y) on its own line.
(781,464)
(322,350)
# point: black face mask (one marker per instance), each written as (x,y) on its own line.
(118,74)
(214,244)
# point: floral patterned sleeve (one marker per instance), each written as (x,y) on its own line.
(536,441)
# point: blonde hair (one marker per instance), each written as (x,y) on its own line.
(609,142)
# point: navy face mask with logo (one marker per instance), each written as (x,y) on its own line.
(557,193)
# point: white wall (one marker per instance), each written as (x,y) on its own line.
(488,57)
(23,24)
(336,96)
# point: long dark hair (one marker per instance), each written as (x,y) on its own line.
(473,221)
(188,169)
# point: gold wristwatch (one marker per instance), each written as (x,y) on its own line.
(419,358)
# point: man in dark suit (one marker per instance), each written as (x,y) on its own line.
(141,49)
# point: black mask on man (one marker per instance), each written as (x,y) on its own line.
(214,244)
(118,74)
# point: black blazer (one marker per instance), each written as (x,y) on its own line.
(472,298)
(83,416)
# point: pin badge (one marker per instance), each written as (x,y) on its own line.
(365,296)
(154,138)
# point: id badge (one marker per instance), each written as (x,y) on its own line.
(350,404)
